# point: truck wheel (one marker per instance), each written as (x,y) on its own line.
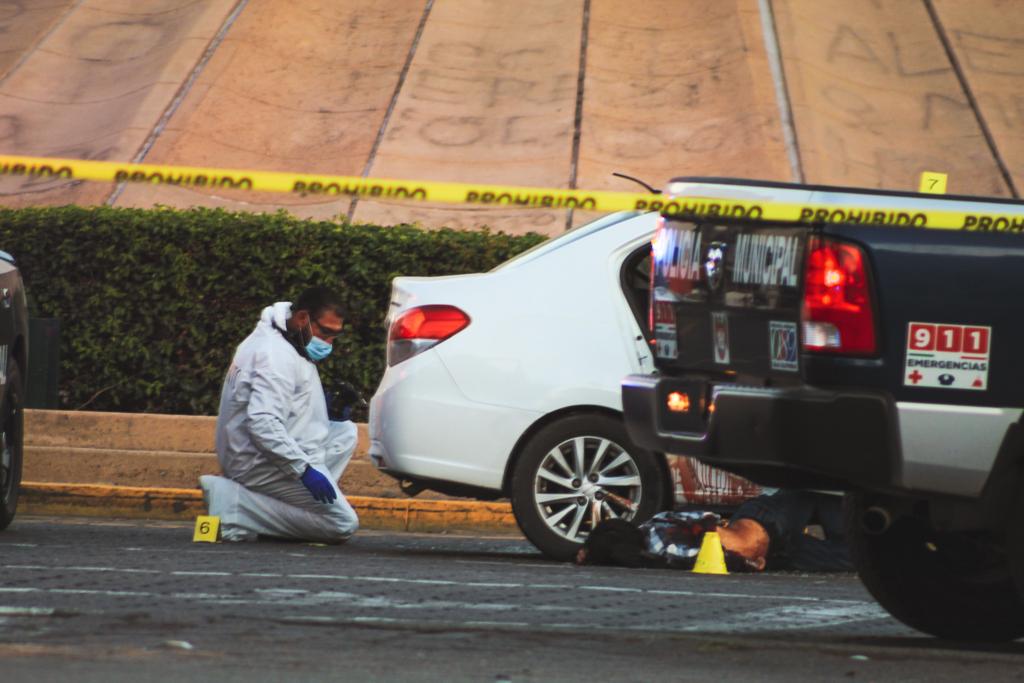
(953,585)
(577,471)
(11,444)
(1015,540)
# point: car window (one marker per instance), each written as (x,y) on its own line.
(636,283)
(568,237)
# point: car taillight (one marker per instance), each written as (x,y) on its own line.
(420,328)
(838,312)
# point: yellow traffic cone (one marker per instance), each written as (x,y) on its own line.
(711,558)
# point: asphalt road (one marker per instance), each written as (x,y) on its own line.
(107,600)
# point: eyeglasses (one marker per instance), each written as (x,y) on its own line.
(326,333)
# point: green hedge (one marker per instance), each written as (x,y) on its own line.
(152,303)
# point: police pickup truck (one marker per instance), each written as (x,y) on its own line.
(858,341)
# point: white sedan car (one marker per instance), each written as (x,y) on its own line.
(507,383)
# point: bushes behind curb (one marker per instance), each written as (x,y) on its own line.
(153,302)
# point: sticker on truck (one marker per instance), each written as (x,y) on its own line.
(665,337)
(945,356)
(720,336)
(782,345)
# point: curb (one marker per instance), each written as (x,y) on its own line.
(88,500)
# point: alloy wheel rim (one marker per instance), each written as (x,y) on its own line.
(583,480)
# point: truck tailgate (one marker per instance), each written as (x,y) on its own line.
(726,299)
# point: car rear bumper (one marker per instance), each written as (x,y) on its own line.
(423,427)
(783,437)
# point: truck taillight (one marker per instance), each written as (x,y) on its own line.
(838,313)
(420,328)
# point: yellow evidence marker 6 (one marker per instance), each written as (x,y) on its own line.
(207,528)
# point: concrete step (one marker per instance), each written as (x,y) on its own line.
(120,431)
(145,450)
(168,469)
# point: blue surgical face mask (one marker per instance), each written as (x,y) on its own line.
(317,349)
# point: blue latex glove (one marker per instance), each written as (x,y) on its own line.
(318,485)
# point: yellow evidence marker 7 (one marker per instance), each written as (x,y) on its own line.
(932,183)
(207,528)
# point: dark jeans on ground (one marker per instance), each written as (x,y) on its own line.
(785,514)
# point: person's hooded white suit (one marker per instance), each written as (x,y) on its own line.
(271,425)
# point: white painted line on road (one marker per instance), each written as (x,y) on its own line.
(484,584)
(324,577)
(19,590)
(496,623)
(27,611)
(445,582)
(389,579)
(29,567)
(109,593)
(119,570)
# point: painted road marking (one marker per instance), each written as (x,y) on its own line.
(109,593)
(112,569)
(444,582)
(27,611)
(786,617)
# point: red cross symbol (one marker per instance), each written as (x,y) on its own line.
(915,377)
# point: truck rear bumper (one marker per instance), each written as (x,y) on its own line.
(782,437)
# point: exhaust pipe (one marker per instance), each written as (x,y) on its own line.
(876,520)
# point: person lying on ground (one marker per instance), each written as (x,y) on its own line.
(787,529)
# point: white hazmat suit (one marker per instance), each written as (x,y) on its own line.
(272,423)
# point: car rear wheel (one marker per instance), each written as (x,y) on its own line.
(11,444)
(574,473)
(954,585)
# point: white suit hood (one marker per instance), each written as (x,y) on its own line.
(276,314)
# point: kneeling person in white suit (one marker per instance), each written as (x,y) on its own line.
(280,454)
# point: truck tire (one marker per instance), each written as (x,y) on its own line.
(578,467)
(1015,539)
(11,444)
(953,585)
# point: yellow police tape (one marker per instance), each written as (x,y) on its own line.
(875,211)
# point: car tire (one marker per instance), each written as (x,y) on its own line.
(953,585)
(12,435)
(577,469)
